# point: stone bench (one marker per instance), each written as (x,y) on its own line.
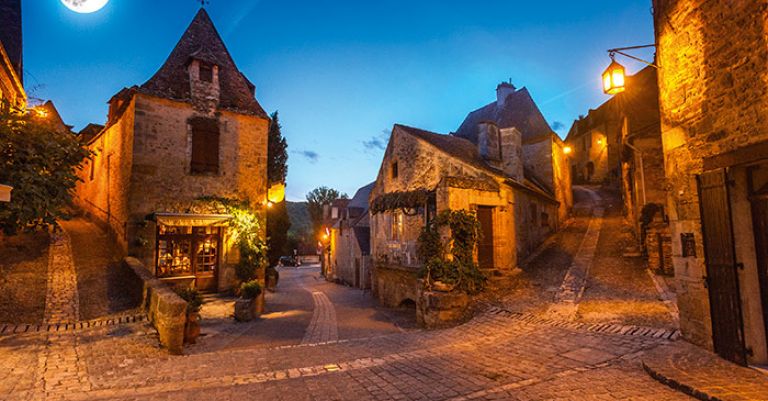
(165,309)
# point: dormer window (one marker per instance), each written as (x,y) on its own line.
(206,72)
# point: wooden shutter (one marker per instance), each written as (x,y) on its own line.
(205,146)
(722,275)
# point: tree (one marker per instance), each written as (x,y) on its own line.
(278,222)
(316,199)
(41,163)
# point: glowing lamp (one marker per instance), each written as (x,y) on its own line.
(276,193)
(567,150)
(5,193)
(613,78)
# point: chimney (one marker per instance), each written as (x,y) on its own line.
(10,33)
(502,91)
(488,143)
(512,153)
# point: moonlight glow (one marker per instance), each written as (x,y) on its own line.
(85,6)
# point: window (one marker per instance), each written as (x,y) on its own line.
(184,251)
(206,72)
(205,146)
(396,226)
(395,172)
(93,166)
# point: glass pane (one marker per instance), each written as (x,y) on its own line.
(207,251)
(174,258)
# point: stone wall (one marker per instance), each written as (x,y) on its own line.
(713,84)
(393,285)
(349,264)
(105,178)
(166,310)
(545,157)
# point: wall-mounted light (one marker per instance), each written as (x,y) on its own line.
(567,150)
(614,77)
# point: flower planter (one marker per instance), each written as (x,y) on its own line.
(436,309)
(244,310)
(192,328)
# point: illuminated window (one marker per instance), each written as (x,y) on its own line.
(184,251)
(396,226)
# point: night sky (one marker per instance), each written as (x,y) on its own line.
(342,72)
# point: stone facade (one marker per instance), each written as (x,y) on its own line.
(713,83)
(143,177)
(11,76)
(350,242)
(458,177)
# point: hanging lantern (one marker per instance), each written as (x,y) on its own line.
(613,78)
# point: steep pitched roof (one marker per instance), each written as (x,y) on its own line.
(466,151)
(201,41)
(360,200)
(519,111)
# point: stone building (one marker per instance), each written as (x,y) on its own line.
(713,92)
(619,145)
(351,242)
(193,130)
(11,55)
(427,173)
(544,158)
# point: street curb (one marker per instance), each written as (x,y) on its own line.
(676,385)
(17,329)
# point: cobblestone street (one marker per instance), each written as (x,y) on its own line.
(498,355)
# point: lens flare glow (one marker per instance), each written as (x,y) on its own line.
(85,6)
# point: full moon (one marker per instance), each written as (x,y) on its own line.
(85,6)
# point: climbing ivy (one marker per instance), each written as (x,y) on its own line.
(248,230)
(452,262)
(400,200)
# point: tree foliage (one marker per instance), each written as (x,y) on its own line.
(41,164)
(278,222)
(277,153)
(316,199)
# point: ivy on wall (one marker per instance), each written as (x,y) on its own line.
(450,261)
(400,200)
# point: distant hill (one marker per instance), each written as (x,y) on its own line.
(301,224)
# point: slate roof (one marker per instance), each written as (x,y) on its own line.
(519,111)
(11,34)
(466,151)
(363,235)
(203,42)
(360,200)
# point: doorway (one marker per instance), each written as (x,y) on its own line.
(187,253)
(758,191)
(485,245)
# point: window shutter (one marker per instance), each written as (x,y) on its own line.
(205,146)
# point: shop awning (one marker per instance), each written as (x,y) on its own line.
(194,220)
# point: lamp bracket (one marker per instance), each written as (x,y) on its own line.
(620,50)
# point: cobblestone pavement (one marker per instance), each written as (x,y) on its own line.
(62,303)
(494,356)
(24,263)
(323,327)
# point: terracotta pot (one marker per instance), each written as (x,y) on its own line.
(244,310)
(192,328)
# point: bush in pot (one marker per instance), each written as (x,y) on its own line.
(251,303)
(194,304)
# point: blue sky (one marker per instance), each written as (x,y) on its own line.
(342,72)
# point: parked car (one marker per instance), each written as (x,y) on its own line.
(288,261)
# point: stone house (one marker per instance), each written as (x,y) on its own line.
(425,173)
(11,55)
(351,242)
(193,130)
(713,94)
(619,144)
(544,158)
(332,213)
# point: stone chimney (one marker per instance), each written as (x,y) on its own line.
(10,34)
(502,91)
(512,153)
(204,85)
(488,143)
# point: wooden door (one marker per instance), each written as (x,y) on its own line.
(760,227)
(722,277)
(485,246)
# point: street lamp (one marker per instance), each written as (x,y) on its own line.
(567,150)
(614,77)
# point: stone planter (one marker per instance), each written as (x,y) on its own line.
(271,282)
(249,309)
(192,328)
(436,309)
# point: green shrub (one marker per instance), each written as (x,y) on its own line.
(250,289)
(193,298)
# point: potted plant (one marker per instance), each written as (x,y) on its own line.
(194,304)
(251,303)
(272,277)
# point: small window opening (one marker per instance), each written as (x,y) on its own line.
(206,72)
(395,171)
